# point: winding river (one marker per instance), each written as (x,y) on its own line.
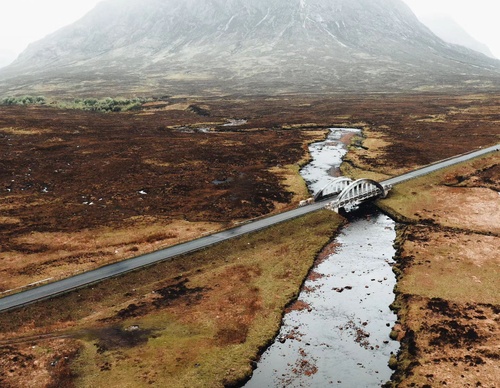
(337,333)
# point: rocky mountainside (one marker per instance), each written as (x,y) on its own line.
(450,31)
(240,46)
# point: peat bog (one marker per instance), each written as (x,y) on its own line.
(81,189)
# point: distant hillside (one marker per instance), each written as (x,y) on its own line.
(452,32)
(240,46)
(6,57)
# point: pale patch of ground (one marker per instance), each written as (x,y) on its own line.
(357,173)
(292,182)
(374,144)
(157,162)
(24,131)
(177,106)
(441,118)
(473,208)
(9,220)
(158,106)
(290,177)
(462,267)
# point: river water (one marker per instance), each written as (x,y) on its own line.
(337,333)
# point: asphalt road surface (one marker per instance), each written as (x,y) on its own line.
(112,270)
(441,164)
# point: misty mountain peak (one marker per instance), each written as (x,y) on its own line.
(247,46)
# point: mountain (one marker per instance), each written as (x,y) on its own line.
(450,31)
(6,57)
(240,46)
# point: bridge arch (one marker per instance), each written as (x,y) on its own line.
(333,187)
(357,192)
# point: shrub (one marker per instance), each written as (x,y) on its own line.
(107,104)
(24,100)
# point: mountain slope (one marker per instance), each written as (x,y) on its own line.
(6,57)
(450,31)
(262,46)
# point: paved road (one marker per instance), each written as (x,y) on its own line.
(441,164)
(84,279)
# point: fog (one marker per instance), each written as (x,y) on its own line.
(26,21)
(479,18)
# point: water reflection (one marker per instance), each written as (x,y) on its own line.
(337,333)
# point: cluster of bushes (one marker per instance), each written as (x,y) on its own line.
(107,104)
(24,100)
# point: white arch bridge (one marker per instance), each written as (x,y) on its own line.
(348,194)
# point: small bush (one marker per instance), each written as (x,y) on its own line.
(109,104)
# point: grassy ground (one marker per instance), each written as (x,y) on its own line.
(219,298)
(198,321)
(56,255)
(79,190)
(289,175)
(448,268)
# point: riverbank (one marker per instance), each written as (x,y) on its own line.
(197,321)
(448,269)
(337,332)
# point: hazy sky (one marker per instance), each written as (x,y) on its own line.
(480,18)
(25,21)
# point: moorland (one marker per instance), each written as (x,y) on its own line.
(82,189)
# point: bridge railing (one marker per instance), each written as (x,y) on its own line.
(343,200)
